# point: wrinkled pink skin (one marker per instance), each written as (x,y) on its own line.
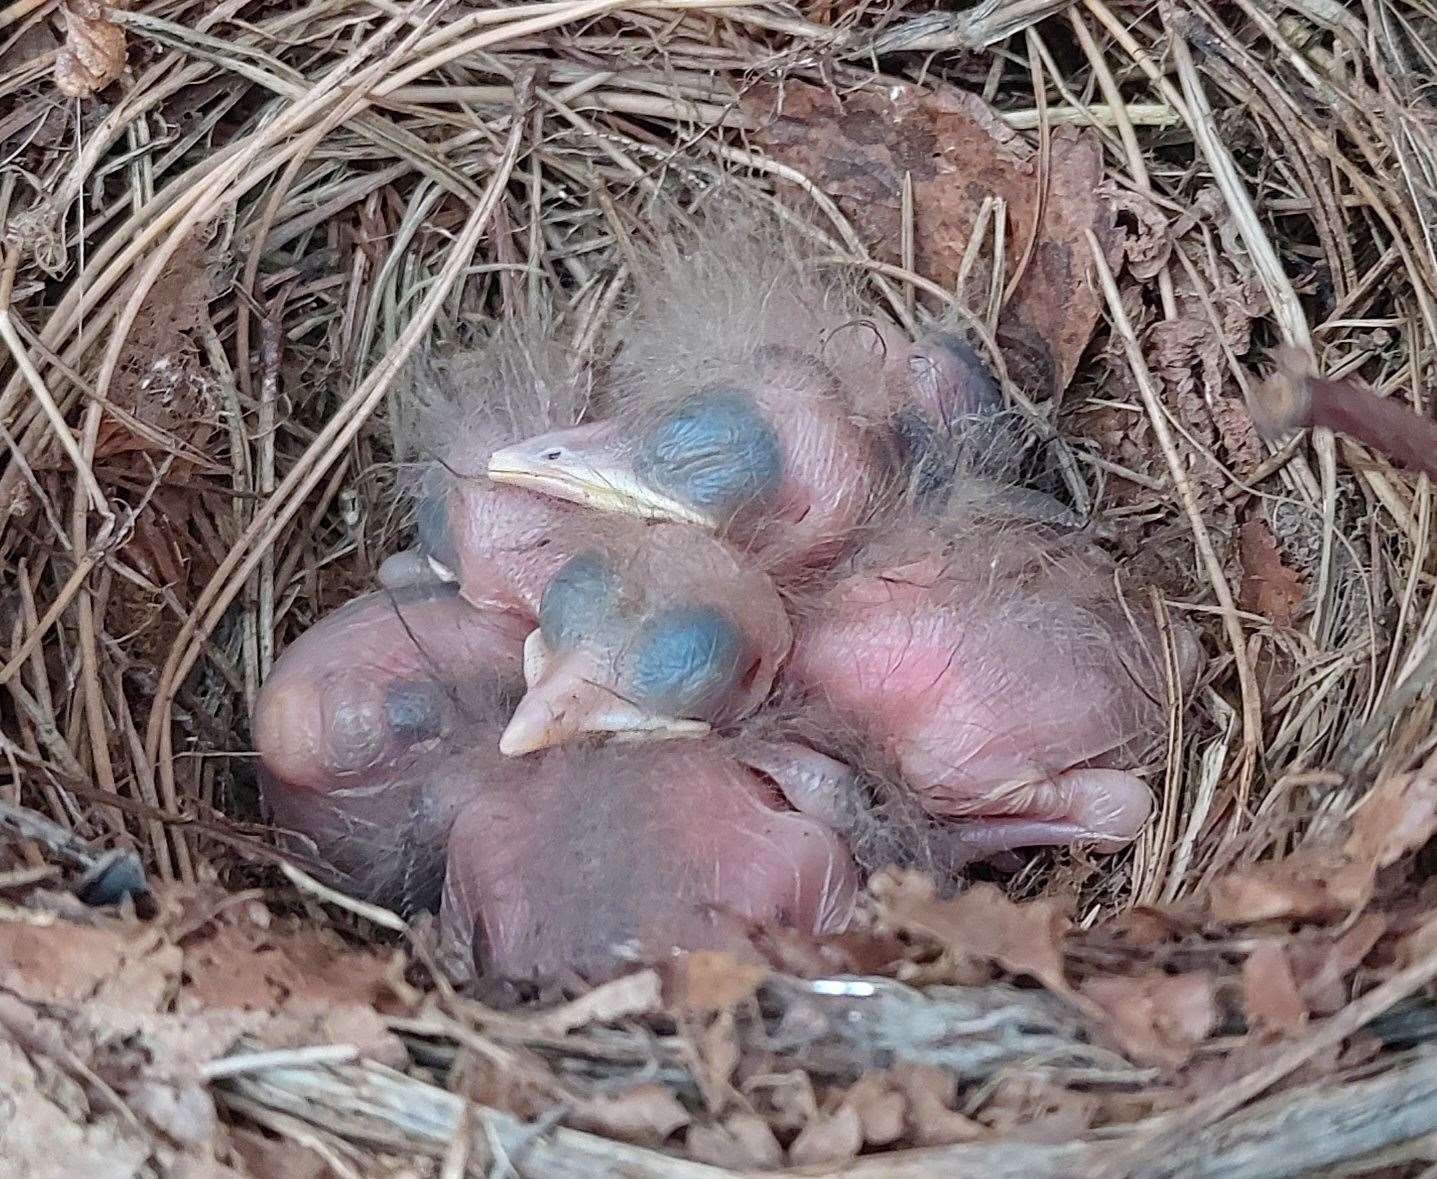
(382,751)
(829,466)
(943,378)
(656,567)
(830,462)
(324,717)
(836,416)
(498,542)
(1007,685)
(348,721)
(633,846)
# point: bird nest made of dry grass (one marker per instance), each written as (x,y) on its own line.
(228,226)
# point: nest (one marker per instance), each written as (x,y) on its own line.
(227,227)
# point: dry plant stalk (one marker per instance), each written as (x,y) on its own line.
(339,171)
(1295,397)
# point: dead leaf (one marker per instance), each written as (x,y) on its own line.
(855,951)
(241,963)
(1157,1018)
(787,1099)
(740,1140)
(931,1093)
(881,1109)
(1269,586)
(705,981)
(122,966)
(719,1051)
(1239,436)
(982,925)
(33,41)
(1269,992)
(1303,886)
(93,54)
(644,1114)
(1399,815)
(1148,249)
(1324,968)
(828,1139)
(958,153)
(1031,1107)
(164,397)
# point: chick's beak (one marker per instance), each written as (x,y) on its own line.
(567,700)
(588,465)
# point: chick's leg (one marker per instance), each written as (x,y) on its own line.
(1100,808)
(813,783)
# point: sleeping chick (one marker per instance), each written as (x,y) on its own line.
(490,540)
(378,736)
(1002,672)
(348,722)
(756,395)
(647,630)
(946,417)
(637,848)
(745,398)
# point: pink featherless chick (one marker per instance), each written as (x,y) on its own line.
(743,398)
(756,394)
(493,542)
(621,850)
(646,630)
(1001,669)
(378,737)
(349,722)
(356,713)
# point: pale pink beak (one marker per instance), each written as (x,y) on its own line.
(567,700)
(588,465)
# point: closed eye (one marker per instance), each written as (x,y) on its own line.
(685,661)
(714,452)
(579,601)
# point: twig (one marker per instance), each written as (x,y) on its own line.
(1295,397)
(1217,576)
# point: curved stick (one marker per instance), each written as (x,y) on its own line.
(1295,397)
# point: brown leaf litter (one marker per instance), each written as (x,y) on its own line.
(1317,885)
(106,1029)
(93,54)
(1158,1018)
(981,928)
(1270,586)
(1270,994)
(1398,816)
(110,1027)
(959,155)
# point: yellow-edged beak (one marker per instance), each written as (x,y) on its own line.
(576,466)
(566,701)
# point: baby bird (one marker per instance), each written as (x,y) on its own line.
(1001,671)
(633,847)
(585,586)
(653,630)
(493,541)
(737,402)
(756,396)
(378,735)
(350,721)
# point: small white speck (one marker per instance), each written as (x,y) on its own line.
(852,988)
